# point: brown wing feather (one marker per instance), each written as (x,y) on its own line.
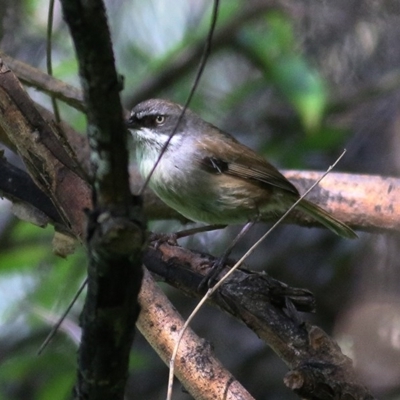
(222,153)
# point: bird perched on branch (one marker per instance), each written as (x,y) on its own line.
(207,175)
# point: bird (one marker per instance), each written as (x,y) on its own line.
(208,176)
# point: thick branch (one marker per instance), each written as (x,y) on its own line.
(116,229)
(197,368)
(318,367)
(106,130)
(362,201)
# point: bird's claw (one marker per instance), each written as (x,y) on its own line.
(211,278)
(158,239)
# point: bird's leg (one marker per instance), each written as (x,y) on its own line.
(172,238)
(219,264)
(199,229)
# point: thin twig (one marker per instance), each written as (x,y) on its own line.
(203,61)
(61,319)
(48,57)
(237,265)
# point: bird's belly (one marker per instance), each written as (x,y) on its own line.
(212,200)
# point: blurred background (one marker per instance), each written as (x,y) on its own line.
(298,81)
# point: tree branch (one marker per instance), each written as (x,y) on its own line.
(116,228)
(17,186)
(364,202)
(197,368)
(39,80)
(268,307)
(48,162)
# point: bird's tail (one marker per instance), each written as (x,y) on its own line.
(326,219)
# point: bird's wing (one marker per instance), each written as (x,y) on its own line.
(222,154)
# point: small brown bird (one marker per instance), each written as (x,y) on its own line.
(208,176)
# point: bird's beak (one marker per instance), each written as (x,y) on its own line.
(131,122)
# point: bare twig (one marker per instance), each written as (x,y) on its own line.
(48,56)
(60,320)
(202,64)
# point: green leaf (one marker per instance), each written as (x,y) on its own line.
(274,49)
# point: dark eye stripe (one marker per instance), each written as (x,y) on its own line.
(147,121)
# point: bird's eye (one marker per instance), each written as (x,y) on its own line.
(160,119)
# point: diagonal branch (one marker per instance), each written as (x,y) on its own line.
(48,163)
(37,79)
(197,369)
